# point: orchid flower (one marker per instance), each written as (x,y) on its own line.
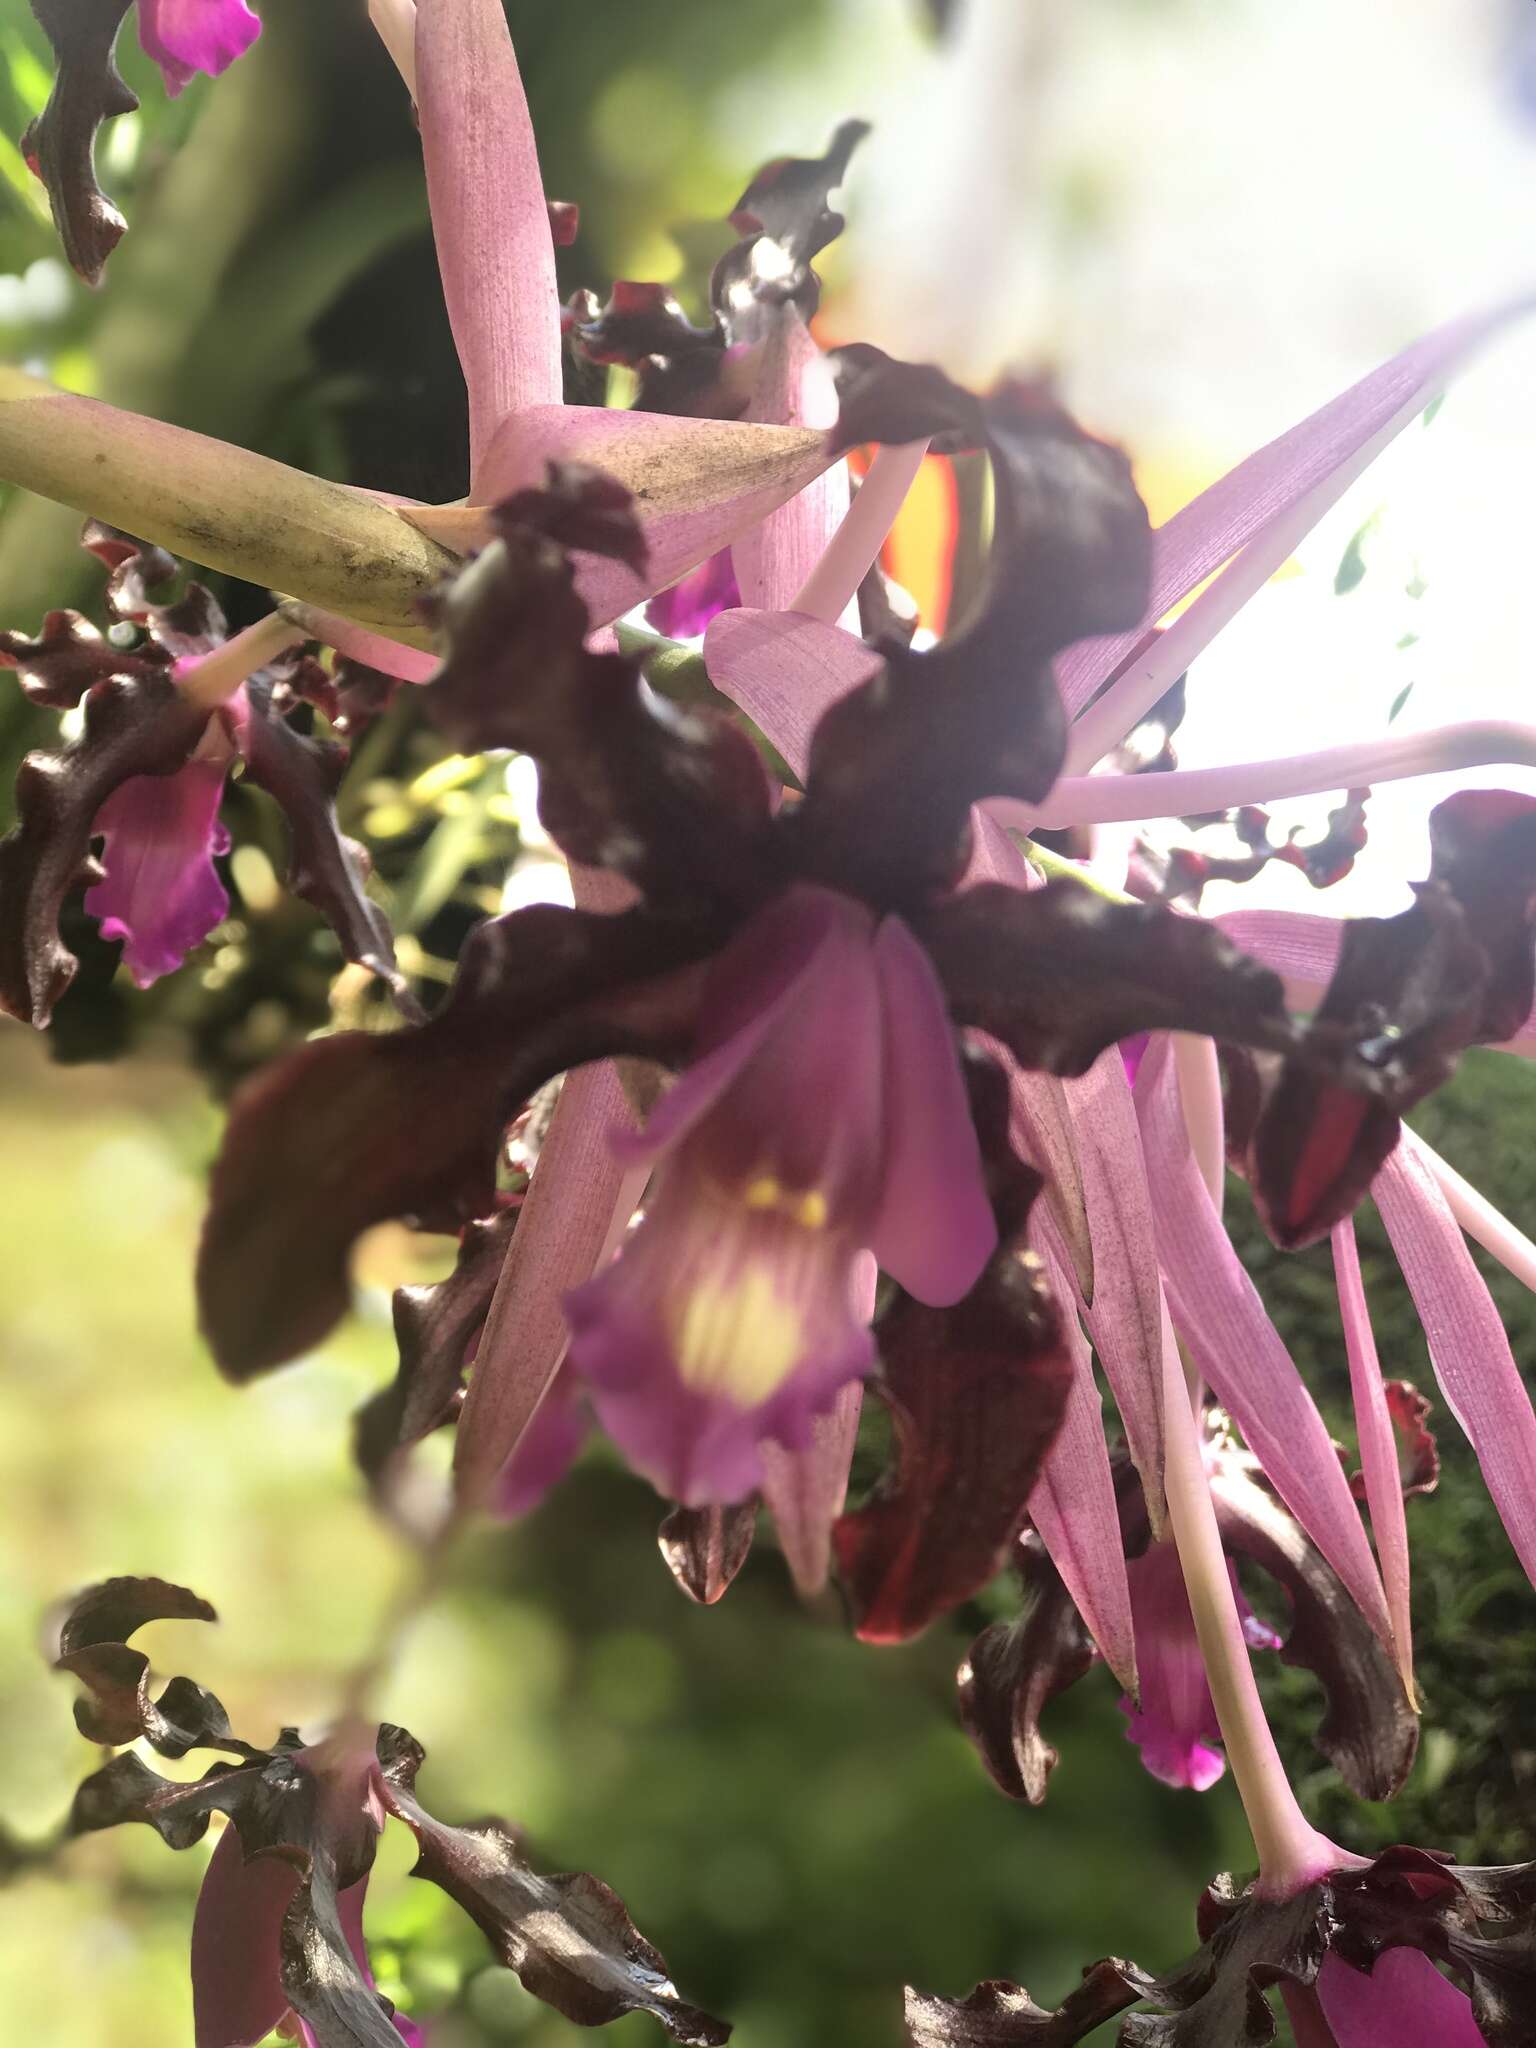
(162,725)
(352,567)
(277,1938)
(1355,1945)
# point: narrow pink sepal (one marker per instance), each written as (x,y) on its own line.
(489,216)
(773,559)
(1083,1134)
(784,671)
(1073,1507)
(1313,461)
(1238,1350)
(579,1200)
(1378,1443)
(698,484)
(1467,1345)
(805,1490)
(935,1229)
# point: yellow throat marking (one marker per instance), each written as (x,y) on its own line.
(740,1337)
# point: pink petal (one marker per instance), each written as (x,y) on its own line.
(1175,1723)
(699,484)
(935,1229)
(160,894)
(567,1218)
(237,1990)
(579,1202)
(804,1490)
(1268,502)
(1378,1443)
(1404,2001)
(393,657)
(545,1451)
(784,670)
(1089,1141)
(1237,1349)
(1073,1507)
(1467,1345)
(687,608)
(187,36)
(494,246)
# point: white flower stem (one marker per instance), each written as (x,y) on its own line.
(854,548)
(1291,1852)
(1477,1215)
(1107,799)
(214,680)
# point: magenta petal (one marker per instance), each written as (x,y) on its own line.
(160,894)
(718,1326)
(804,1490)
(1307,468)
(494,245)
(1467,1343)
(687,608)
(1075,1513)
(1175,1724)
(935,1229)
(237,1990)
(784,670)
(1218,1313)
(187,36)
(546,1451)
(1404,2001)
(774,559)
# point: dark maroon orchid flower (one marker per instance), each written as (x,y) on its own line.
(277,1938)
(163,724)
(183,37)
(772,955)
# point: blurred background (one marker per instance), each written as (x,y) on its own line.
(1205,217)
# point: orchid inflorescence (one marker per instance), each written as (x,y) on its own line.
(813,878)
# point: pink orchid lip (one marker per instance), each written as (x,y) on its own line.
(187,36)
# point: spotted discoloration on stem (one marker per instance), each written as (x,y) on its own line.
(220,506)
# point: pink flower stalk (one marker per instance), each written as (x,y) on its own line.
(188,36)
(822,1115)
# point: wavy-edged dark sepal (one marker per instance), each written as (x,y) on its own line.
(94,1647)
(320,1974)
(896,765)
(1418,1454)
(976,1395)
(704,1548)
(1002,2015)
(569,1938)
(60,144)
(434,1328)
(1404,1001)
(784,220)
(356,1129)
(1479,1921)
(674,798)
(1217,1999)
(1059,973)
(325,869)
(192,624)
(68,657)
(1483,849)
(1369,1731)
(680,368)
(1015,1669)
(136,723)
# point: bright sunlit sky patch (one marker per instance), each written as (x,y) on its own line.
(1211,216)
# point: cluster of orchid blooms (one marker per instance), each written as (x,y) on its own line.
(909,1041)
